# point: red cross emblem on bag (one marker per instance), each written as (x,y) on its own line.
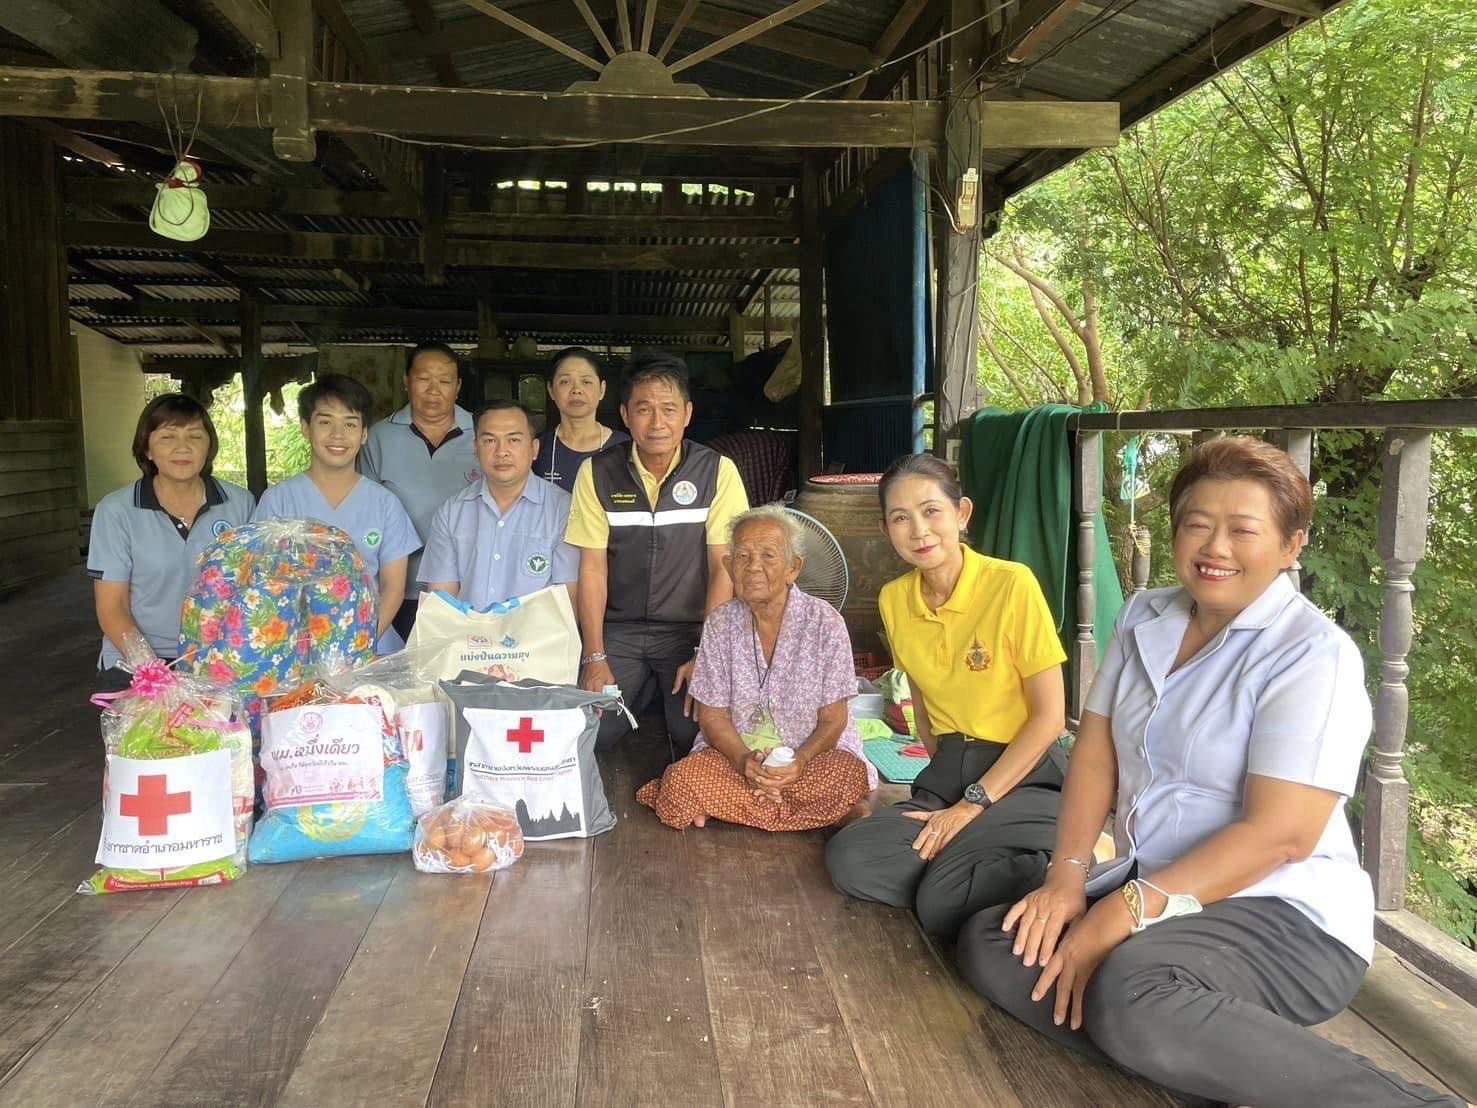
(525,735)
(153,804)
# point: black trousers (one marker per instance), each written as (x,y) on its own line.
(645,658)
(1213,1006)
(996,859)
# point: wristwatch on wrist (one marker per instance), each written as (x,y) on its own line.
(975,793)
(591,659)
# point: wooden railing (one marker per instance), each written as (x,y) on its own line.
(1404,495)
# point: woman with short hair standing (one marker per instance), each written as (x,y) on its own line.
(1227,723)
(576,384)
(146,536)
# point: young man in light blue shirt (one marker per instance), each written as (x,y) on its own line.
(424,452)
(335,412)
(503,536)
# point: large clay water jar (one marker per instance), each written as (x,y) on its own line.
(847,504)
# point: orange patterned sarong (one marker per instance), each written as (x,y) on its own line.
(705,784)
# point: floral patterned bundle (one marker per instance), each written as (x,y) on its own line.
(274,603)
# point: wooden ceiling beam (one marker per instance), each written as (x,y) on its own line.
(552,16)
(556,17)
(679,24)
(251,20)
(890,39)
(799,43)
(475,115)
(741,35)
(126,193)
(716,221)
(372,249)
(426,23)
(588,15)
(380,316)
(540,36)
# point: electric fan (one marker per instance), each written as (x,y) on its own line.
(824,573)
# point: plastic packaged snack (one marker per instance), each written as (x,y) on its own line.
(177,790)
(467,836)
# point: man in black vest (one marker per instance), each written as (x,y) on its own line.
(651,520)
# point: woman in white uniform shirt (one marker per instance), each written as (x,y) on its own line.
(1229,718)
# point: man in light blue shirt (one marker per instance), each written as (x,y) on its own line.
(424,452)
(503,536)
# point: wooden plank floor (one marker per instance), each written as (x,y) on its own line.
(714,967)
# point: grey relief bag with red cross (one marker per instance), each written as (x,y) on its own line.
(530,747)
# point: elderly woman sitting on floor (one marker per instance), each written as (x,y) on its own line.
(774,670)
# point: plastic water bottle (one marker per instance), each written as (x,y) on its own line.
(779,757)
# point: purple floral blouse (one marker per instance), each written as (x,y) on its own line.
(812,667)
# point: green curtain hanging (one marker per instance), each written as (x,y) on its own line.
(1017,468)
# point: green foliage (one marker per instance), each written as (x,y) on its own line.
(287,451)
(1300,230)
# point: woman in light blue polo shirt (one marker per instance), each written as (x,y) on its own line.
(146,536)
(1227,725)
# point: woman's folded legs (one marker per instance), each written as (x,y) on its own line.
(1214,1005)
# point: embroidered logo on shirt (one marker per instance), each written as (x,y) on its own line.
(372,539)
(977,658)
(684,492)
(536,563)
(623,498)
(219,528)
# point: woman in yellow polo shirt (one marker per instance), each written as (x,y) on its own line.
(979,646)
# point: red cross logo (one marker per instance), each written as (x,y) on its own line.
(525,735)
(153,804)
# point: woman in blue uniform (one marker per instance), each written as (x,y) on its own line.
(147,535)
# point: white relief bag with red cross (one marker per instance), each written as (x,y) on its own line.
(163,813)
(530,748)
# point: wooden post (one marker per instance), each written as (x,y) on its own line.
(252,393)
(768,316)
(433,216)
(292,129)
(1298,443)
(957,371)
(1139,559)
(489,345)
(1404,490)
(812,336)
(736,334)
(1087,499)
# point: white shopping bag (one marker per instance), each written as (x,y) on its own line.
(532,636)
(167,812)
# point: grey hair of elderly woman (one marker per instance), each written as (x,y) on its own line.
(776,514)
